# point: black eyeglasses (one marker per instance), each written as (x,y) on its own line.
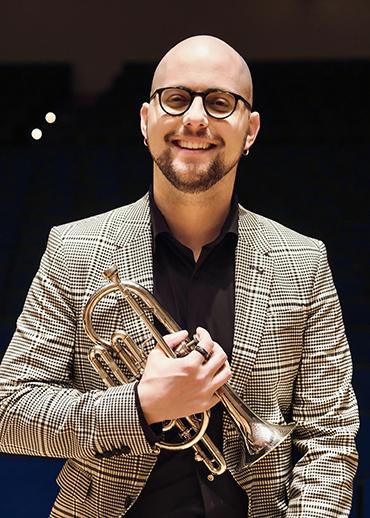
(176,100)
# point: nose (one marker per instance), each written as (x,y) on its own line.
(196,115)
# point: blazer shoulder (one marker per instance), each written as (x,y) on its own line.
(106,227)
(278,236)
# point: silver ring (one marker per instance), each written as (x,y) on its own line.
(206,355)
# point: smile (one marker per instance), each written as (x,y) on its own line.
(185,144)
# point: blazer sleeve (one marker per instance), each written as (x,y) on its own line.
(324,406)
(41,411)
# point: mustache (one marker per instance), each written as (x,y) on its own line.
(200,133)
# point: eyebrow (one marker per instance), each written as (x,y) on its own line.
(206,90)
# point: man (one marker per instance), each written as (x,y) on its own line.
(262,291)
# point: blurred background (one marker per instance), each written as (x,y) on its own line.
(89,68)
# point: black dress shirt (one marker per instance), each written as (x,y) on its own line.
(196,294)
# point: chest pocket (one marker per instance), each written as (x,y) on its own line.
(286,317)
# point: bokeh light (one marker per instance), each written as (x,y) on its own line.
(36,134)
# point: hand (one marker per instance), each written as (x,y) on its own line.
(177,387)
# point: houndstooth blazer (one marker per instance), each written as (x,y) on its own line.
(290,361)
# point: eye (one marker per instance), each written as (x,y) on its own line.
(220,102)
(175,98)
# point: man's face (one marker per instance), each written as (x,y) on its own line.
(194,151)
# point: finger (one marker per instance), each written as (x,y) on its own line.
(200,355)
(201,350)
(221,377)
(204,340)
(174,339)
(202,334)
(216,361)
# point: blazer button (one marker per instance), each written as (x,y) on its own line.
(125,449)
(99,455)
(111,453)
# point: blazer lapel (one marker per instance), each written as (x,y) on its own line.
(253,275)
(133,258)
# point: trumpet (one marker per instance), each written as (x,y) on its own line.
(259,436)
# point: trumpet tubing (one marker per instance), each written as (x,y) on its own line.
(259,436)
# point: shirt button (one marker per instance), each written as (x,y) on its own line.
(128,501)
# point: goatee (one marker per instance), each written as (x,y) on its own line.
(201,182)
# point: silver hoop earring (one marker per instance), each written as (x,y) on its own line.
(145,142)
(245,152)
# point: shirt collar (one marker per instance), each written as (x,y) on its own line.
(160,226)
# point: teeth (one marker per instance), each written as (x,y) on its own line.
(193,145)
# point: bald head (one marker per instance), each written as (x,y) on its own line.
(199,59)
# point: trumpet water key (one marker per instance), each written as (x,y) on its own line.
(259,436)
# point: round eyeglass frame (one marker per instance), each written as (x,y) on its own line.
(203,95)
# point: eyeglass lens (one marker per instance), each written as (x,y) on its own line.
(176,101)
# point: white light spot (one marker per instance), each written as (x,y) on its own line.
(36,134)
(50,117)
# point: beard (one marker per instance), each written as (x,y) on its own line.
(192,178)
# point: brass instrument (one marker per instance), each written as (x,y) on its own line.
(260,437)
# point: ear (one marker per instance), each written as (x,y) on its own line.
(144,119)
(253,129)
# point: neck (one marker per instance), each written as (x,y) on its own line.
(194,219)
